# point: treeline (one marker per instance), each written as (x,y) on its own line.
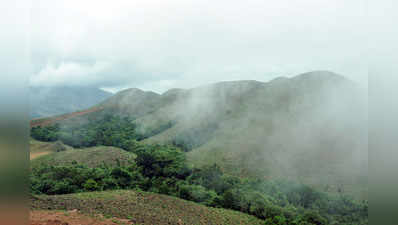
(108,131)
(48,133)
(119,132)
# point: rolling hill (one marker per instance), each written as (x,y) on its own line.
(311,128)
(51,101)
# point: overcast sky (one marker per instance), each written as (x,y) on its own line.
(161,44)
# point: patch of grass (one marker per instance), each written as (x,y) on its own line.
(143,208)
(40,146)
(39,149)
(91,157)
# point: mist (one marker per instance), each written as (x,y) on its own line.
(311,128)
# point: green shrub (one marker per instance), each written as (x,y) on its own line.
(161,161)
(313,217)
(48,133)
(197,193)
(90,185)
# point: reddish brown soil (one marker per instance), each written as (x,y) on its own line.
(34,155)
(39,217)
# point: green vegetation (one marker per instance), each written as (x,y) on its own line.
(107,131)
(91,157)
(36,146)
(46,179)
(49,133)
(163,169)
(272,201)
(154,168)
(278,200)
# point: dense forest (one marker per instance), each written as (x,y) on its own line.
(163,169)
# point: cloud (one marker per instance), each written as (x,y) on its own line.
(70,73)
(163,44)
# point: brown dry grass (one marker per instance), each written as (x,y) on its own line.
(72,217)
(143,208)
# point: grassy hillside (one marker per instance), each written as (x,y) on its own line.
(142,208)
(91,157)
(132,102)
(310,128)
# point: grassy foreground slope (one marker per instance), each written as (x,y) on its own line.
(91,157)
(142,208)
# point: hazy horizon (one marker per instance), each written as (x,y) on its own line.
(118,89)
(156,45)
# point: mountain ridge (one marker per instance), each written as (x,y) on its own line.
(286,127)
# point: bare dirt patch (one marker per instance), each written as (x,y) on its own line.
(34,155)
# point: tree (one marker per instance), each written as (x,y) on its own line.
(161,161)
(91,185)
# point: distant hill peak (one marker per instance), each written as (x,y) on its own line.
(131,90)
(52,101)
(320,75)
(135,91)
(239,82)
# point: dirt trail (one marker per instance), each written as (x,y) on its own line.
(34,155)
(39,217)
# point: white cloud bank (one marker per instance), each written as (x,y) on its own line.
(158,45)
(69,73)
